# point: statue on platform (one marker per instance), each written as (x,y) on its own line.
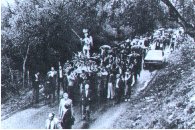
(88,42)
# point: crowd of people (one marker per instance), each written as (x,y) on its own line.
(95,78)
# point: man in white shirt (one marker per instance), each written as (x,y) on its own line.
(110,87)
(63,101)
(53,80)
(71,81)
(36,88)
(52,122)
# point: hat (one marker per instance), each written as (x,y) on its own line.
(85,30)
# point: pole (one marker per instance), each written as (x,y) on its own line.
(75,33)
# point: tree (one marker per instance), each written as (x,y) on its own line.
(37,34)
(188,27)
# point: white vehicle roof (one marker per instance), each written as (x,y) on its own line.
(154,55)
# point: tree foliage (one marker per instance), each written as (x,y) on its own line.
(36,34)
(183,13)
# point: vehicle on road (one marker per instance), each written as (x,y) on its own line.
(154,58)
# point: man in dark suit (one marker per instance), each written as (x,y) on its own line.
(36,87)
(135,69)
(104,77)
(147,42)
(130,83)
(119,88)
(157,43)
(86,100)
(67,118)
(60,81)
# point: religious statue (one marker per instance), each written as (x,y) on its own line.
(88,42)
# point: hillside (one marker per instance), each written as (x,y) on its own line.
(169,99)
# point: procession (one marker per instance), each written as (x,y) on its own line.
(90,78)
(97,64)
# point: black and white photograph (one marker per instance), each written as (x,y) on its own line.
(97,64)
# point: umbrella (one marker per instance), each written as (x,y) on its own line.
(133,55)
(106,47)
(136,47)
(95,57)
(130,55)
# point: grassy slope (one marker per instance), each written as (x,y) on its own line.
(166,102)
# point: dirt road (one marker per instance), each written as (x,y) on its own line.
(34,118)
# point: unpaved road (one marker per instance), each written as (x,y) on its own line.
(109,117)
(34,118)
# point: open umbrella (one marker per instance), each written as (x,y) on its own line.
(136,47)
(133,55)
(105,47)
